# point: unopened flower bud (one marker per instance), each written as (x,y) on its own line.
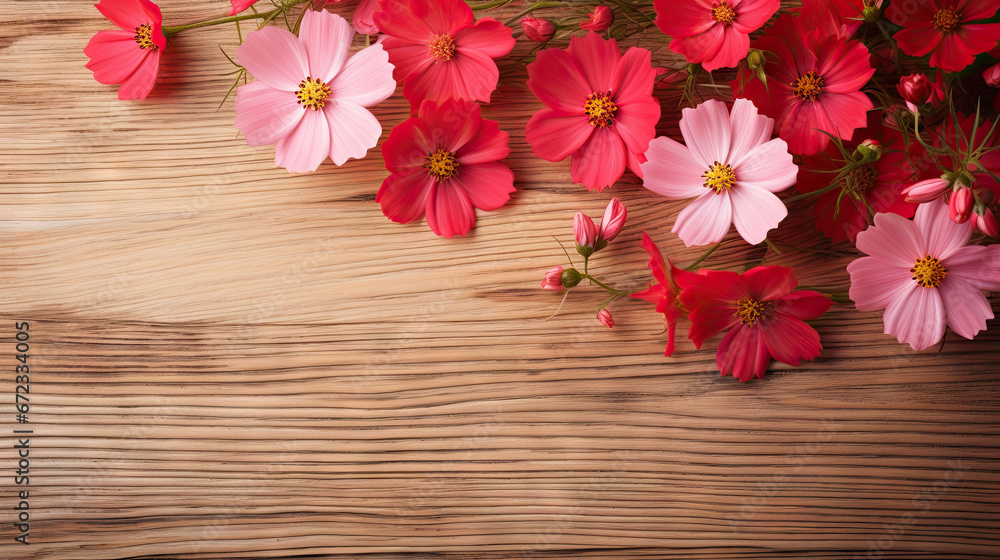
(992,76)
(986,223)
(756,58)
(571,277)
(604,316)
(553,279)
(915,89)
(870,14)
(538,30)
(598,20)
(926,191)
(868,151)
(586,234)
(612,222)
(960,205)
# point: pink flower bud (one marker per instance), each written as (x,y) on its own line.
(926,191)
(586,234)
(553,279)
(599,20)
(869,150)
(538,30)
(604,316)
(960,205)
(987,223)
(613,220)
(915,89)
(992,76)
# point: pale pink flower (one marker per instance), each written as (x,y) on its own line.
(960,204)
(308,96)
(927,190)
(585,233)
(924,275)
(730,164)
(613,220)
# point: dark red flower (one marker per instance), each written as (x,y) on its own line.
(664,293)
(764,315)
(944,28)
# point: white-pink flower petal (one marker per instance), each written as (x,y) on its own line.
(917,319)
(366,79)
(306,146)
(942,235)
(671,171)
(979,265)
(706,220)
(275,57)
(353,129)
(768,166)
(327,38)
(707,130)
(966,308)
(755,212)
(749,129)
(894,239)
(874,284)
(265,115)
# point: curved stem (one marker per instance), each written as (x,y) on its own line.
(606,287)
(173,30)
(700,259)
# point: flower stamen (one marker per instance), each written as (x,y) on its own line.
(929,272)
(946,19)
(144,37)
(808,86)
(750,310)
(724,13)
(312,94)
(720,177)
(860,180)
(600,110)
(441,165)
(443,48)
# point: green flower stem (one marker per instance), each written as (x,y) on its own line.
(489,5)
(173,30)
(708,253)
(618,293)
(529,9)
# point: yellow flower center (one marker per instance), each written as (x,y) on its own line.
(724,13)
(441,165)
(312,94)
(600,110)
(443,48)
(720,177)
(750,310)
(928,272)
(808,86)
(946,19)
(144,36)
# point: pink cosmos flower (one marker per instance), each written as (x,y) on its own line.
(814,78)
(585,233)
(612,222)
(308,97)
(713,33)
(598,20)
(730,165)
(130,56)
(944,28)
(664,293)
(600,110)
(765,317)
(440,51)
(923,274)
(445,163)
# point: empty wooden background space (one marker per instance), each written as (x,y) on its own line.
(231,361)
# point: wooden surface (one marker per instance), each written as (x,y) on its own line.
(231,361)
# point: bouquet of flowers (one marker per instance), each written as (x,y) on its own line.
(875,120)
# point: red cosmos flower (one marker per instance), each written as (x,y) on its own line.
(917,89)
(813,84)
(131,56)
(944,29)
(440,51)
(877,185)
(598,20)
(714,33)
(664,293)
(445,162)
(538,30)
(766,317)
(600,108)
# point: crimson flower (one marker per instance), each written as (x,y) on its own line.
(715,34)
(944,28)
(598,20)
(129,56)
(813,85)
(664,293)
(600,109)
(440,51)
(764,315)
(445,163)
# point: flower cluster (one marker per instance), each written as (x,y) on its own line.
(863,117)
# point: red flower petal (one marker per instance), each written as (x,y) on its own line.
(114,56)
(709,320)
(140,83)
(487,185)
(449,210)
(558,81)
(404,197)
(789,340)
(554,135)
(596,58)
(600,161)
(803,304)
(766,283)
(405,150)
(743,353)
(488,36)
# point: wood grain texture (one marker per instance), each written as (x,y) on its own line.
(229,361)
